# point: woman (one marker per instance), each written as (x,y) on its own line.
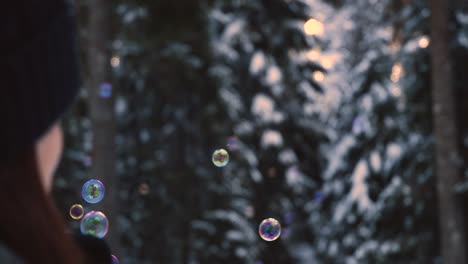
(38,80)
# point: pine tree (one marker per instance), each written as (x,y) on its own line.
(265,71)
(378,179)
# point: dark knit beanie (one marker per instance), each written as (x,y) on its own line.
(38,70)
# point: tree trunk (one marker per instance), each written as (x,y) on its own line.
(101,109)
(445,134)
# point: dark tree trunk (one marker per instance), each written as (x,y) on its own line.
(99,39)
(445,134)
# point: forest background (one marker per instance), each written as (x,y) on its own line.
(344,120)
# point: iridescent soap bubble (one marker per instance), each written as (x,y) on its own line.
(93,191)
(94,223)
(144,188)
(232,143)
(76,211)
(220,158)
(269,229)
(105,90)
(115,260)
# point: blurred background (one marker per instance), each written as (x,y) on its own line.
(343,119)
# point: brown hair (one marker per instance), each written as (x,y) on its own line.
(30,223)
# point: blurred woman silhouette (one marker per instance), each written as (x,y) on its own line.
(39,81)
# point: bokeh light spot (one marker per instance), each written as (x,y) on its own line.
(105,90)
(115,61)
(424,42)
(318,76)
(313,27)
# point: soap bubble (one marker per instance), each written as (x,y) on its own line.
(105,90)
(220,158)
(232,143)
(93,191)
(94,223)
(269,229)
(115,260)
(144,188)
(76,211)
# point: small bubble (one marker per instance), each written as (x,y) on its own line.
(220,158)
(93,191)
(105,90)
(233,143)
(143,189)
(94,223)
(76,211)
(115,260)
(269,229)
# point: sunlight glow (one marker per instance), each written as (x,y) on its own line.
(397,72)
(327,62)
(318,76)
(313,54)
(313,27)
(424,42)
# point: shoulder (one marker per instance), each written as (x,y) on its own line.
(7,256)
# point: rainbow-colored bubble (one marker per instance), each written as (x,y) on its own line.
(220,158)
(76,211)
(115,260)
(94,223)
(269,229)
(93,191)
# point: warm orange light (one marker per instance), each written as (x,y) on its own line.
(327,62)
(424,42)
(313,27)
(397,72)
(313,54)
(318,76)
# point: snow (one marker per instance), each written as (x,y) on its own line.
(257,62)
(336,156)
(120,106)
(233,102)
(287,156)
(273,75)
(271,138)
(359,191)
(375,161)
(263,106)
(293,176)
(393,150)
